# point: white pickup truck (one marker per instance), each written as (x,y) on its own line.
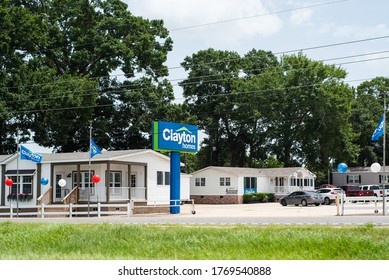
(377,190)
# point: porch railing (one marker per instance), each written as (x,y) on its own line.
(138,193)
(46,198)
(71,197)
(98,194)
(282,190)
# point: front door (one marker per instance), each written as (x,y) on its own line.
(137,192)
(59,191)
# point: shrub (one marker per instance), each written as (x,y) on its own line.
(258,197)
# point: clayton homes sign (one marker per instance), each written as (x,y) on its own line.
(176,137)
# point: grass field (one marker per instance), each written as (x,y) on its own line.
(41,241)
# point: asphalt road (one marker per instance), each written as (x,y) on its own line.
(253,214)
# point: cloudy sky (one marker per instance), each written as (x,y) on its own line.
(278,26)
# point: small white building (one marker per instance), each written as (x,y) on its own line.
(216,184)
(138,175)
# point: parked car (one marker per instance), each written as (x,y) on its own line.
(302,197)
(326,186)
(375,188)
(354,190)
(386,190)
(329,194)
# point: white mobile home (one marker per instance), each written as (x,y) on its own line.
(216,184)
(138,175)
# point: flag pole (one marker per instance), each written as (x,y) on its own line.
(384,161)
(90,159)
(17,173)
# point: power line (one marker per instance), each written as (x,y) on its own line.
(192,80)
(255,16)
(335,44)
(199,78)
(283,52)
(229,60)
(152,102)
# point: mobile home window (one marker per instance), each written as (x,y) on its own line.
(200,182)
(167,178)
(84,180)
(381,179)
(354,179)
(25,184)
(225,181)
(115,182)
(163,178)
(250,182)
(279,181)
(159,178)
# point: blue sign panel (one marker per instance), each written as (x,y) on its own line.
(176,137)
(249,190)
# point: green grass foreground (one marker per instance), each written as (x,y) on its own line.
(41,241)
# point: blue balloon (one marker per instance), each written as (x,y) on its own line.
(342,167)
(44,181)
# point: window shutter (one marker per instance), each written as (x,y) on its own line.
(347,179)
(360,179)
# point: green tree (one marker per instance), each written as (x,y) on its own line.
(83,42)
(217,93)
(254,108)
(63,110)
(19,30)
(208,92)
(368,106)
(138,103)
(314,124)
(259,90)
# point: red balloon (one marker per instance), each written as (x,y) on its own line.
(96,179)
(9,182)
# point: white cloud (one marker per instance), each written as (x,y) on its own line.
(297,29)
(326,28)
(300,17)
(178,14)
(357,31)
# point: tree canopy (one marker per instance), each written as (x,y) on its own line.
(260,106)
(58,62)
(368,107)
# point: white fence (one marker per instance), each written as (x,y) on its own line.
(67,210)
(361,205)
(95,209)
